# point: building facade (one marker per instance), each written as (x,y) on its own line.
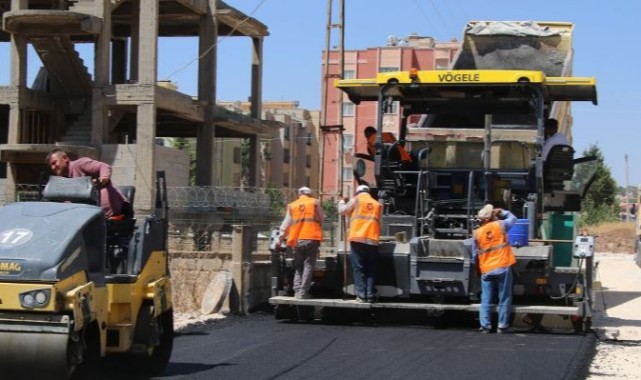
(118,108)
(345,122)
(289,155)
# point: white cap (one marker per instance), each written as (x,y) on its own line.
(362,189)
(486,212)
(305,190)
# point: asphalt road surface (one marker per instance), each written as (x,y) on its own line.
(260,347)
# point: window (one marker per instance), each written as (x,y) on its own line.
(309,139)
(286,156)
(308,161)
(237,155)
(287,133)
(347,174)
(348,142)
(387,69)
(285,179)
(394,109)
(442,63)
(349,74)
(348,109)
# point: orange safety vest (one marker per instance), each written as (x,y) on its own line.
(305,226)
(388,138)
(494,249)
(365,220)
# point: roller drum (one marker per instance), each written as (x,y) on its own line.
(34,355)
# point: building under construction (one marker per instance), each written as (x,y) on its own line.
(117,112)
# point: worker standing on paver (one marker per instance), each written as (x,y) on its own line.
(302,228)
(364,229)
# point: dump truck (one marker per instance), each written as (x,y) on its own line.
(76,288)
(476,134)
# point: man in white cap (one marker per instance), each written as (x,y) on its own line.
(494,256)
(302,228)
(364,229)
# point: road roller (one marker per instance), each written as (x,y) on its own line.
(78,291)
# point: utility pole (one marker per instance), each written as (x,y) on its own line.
(627,191)
(337,127)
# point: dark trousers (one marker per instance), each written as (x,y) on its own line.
(364,258)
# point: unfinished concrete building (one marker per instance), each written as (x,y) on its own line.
(116,113)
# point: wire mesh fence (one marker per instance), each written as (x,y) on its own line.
(201,217)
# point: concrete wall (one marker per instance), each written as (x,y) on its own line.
(122,158)
(193,271)
(3,191)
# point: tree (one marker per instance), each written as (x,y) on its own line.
(599,203)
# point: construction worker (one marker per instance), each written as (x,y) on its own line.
(495,259)
(302,227)
(112,201)
(552,137)
(387,138)
(364,229)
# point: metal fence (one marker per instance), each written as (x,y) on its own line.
(200,215)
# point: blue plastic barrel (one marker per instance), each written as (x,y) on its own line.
(518,234)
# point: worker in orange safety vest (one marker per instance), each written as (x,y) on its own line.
(494,256)
(387,138)
(302,229)
(364,229)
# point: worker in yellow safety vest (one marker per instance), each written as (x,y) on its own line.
(494,256)
(302,229)
(364,229)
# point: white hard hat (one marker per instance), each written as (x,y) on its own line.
(362,189)
(305,190)
(486,212)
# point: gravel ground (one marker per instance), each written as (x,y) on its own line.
(616,360)
(189,321)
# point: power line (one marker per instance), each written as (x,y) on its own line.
(423,13)
(217,42)
(438,14)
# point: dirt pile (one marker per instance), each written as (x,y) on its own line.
(613,237)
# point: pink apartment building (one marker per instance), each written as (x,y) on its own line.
(423,53)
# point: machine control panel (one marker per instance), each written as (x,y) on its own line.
(583,247)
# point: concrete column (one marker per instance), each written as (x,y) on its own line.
(99,112)
(145,163)
(18,79)
(148,44)
(135,40)
(18,82)
(240,268)
(146,117)
(255,178)
(257,77)
(205,154)
(255,162)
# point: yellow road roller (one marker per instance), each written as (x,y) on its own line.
(77,289)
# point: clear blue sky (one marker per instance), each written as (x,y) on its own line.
(605,44)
